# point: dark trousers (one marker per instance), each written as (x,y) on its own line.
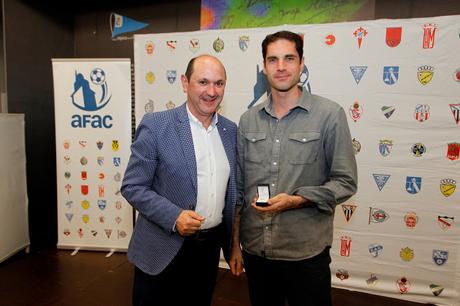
(189,279)
(301,283)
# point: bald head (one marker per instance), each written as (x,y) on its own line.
(205,58)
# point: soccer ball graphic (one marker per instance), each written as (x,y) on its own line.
(97,76)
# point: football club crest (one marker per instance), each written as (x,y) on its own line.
(118,220)
(356,145)
(118,205)
(108,232)
(377,215)
(149,107)
(429,31)
(388,111)
(84,189)
(94,233)
(329,40)
(425,74)
(456,75)
(101,175)
(418,149)
(117,161)
(67,160)
(101,191)
(115,145)
(171,45)
(68,188)
(372,280)
(100,144)
(385,146)
(69,216)
(375,249)
(393,36)
(149,47)
(67,174)
(194,44)
(170,105)
(348,210)
(445,222)
(85,204)
(101,219)
(121,234)
(171,76)
(82,143)
(422,112)
(117,177)
(381,180)
(406,254)
(455,109)
(150,77)
(403,285)
(100,160)
(453,150)
(101,204)
(356,111)
(358,72)
(83,161)
(243,42)
(447,186)
(66,231)
(360,33)
(411,219)
(84,175)
(218,45)
(390,74)
(69,204)
(440,257)
(345,246)
(436,289)
(342,274)
(66,144)
(85,219)
(80,232)
(413,184)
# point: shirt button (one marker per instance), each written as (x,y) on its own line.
(304,139)
(253,140)
(273,185)
(274,163)
(277,140)
(266,227)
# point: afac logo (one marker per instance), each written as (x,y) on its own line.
(87,99)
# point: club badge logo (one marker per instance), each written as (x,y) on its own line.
(385,146)
(330,40)
(69,216)
(446,222)
(100,160)
(360,33)
(66,144)
(393,36)
(243,42)
(218,45)
(436,289)
(68,188)
(372,280)
(171,76)
(456,75)
(411,219)
(108,233)
(84,189)
(85,204)
(447,186)
(67,174)
(342,274)
(67,160)
(390,74)
(118,205)
(440,257)
(345,246)
(422,112)
(356,111)
(117,161)
(358,72)
(101,219)
(69,204)
(85,219)
(66,232)
(171,45)
(403,285)
(170,105)
(375,249)
(115,145)
(99,144)
(80,232)
(455,109)
(83,161)
(87,99)
(413,184)
(425,74)
(94,233)
(381,180)
(117,177)
(101,191)
(453,150)
(82,143)
(348,210)
(429,31)
(149,47)
(101,204)
(194,45)
(150,77)
(406,254)
(356,145)
(149,107)
(101,176)
(418,149)
(84,175)
(118,220)
(377,215)
(388,111)
(121,234)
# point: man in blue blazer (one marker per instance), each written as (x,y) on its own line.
(181,180)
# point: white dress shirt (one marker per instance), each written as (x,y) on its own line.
(213,171)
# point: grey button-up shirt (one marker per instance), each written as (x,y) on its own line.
(308,153)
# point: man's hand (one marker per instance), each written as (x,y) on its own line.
(188,222)
(280,202)
(236,260)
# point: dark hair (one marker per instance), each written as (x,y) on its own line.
(287,35)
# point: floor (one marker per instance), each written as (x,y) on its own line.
(53,277)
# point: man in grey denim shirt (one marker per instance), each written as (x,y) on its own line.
(300,146)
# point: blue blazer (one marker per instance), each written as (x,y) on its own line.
(161,180)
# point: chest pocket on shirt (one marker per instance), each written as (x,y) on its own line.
(303,147)
(255,146)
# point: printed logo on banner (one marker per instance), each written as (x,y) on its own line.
(66,231)
(84,175)
(377,215)
(358,72)
(422,112)
(329,40)
(150,77)
(117,161)
(446,222)
(403,285)
(194,44)
(390,74)
(348,210)
(85,219)
(118,205)
(80,232)
(418,149)
(83,161)
(453,150)
(455,109)
(101,204)
(82,143)
(411,219)
(447,186)
(171,45)
(388,111)
(385,146)
(94,233)
(100,160)
(67,160)
(66,144)
(84,189)
(356,145)
(440,257)
(170,105)
(360,33)
(372,280)
(342,274)
(69,204)
(456,75)
(149,47)
(85,204)
(101,176)
(108,232)
(69,216)
(345,246)
(393,36)
(171,76)
(429,31)
(243,42)
(406,254)
(121,234)
(149,107)
(218,45)
(67,174)
(68,188)
(99,144)
(413,184)
(381,180)
(118,219)
(101,191)
(436,289)
(425,74)
(356,111)
(101,219)
(115,145)
(375,249)
(117,177)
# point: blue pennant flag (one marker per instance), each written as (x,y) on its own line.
(120,24)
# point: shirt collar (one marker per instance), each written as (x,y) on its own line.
(304,102)
(195,120)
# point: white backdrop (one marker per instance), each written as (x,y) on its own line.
(93,137)
(399,80)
